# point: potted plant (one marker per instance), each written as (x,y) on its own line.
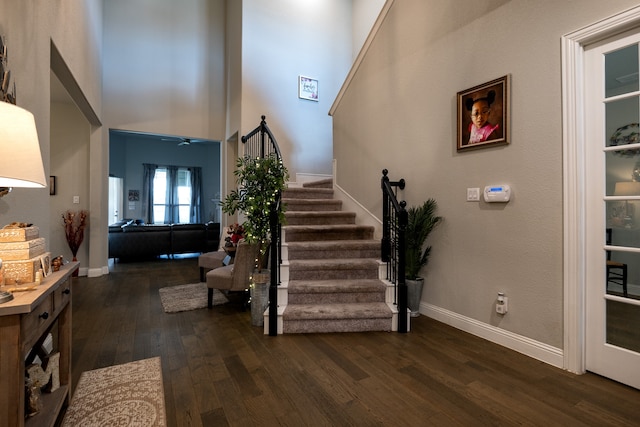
(259,181)
(421,222)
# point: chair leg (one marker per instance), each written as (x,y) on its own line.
(210,297)
(202,278)
(624,280)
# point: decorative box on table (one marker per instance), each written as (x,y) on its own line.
(15,251)
(23,271)
(19,234)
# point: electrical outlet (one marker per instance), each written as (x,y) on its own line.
(473,194)
(76,199)
(502,304)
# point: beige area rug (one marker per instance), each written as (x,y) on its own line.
(188,297)
(131,394)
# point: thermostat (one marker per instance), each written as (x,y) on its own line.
(497,193)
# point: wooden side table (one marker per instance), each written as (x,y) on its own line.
(25,322)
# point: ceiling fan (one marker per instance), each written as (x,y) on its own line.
(184,141)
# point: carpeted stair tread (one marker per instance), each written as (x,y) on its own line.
(333,263)
(321,183)
(320,218)
(293,204)
(333,280)
(334,249)
(336,286)
(375,310)
(298,233)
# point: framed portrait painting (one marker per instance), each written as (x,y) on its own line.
(483,115)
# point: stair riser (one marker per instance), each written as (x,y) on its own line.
(293,205)
(320,220)
(307,193)
(319,183)
(324,274)
(298,254)
(338,325)
(336,298)
(306,235)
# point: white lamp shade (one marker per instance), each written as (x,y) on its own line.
(20,158)
(627,188)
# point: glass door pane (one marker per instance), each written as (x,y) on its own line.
(622,198)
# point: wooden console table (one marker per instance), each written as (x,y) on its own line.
(25,322)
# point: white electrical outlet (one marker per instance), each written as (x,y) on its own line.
(76,199)
(502,304)
(473,194)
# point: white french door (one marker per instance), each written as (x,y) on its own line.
(612,199)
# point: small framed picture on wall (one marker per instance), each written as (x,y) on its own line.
(483,115)
(307,88)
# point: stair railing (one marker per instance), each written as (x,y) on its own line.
(260,143)
(394,225)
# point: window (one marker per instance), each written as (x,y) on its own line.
(171,195)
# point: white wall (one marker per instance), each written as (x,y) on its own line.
(282,39)
(163,67)
(399,113)
(365,13)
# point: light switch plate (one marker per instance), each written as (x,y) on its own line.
(473,194)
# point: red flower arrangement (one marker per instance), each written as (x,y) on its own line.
(236,233)
(74,224)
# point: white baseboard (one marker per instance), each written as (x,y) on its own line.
(93,272)
(532,348)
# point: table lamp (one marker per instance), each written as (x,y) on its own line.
(627,188)
(20,161)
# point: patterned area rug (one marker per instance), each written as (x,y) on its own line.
(188,297)
(131,394)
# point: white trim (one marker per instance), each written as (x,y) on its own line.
(94,272)
(527,346)
(573,80)
(361,55)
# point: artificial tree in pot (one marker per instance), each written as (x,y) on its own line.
(421,222)
(260,180)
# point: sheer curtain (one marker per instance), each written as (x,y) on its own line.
(172,206)
(148,174)
(172,201)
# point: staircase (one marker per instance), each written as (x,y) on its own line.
(330,267)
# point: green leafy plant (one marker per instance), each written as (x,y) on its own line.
(260,180)
(421,222)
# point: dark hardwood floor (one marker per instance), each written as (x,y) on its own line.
(219,370)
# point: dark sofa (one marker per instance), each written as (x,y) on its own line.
(131,240)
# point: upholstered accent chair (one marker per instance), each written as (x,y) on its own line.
(234,277)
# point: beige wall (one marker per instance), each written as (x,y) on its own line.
(75,27)
(399,113)
(69,160)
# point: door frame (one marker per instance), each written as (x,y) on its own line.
(573,179)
